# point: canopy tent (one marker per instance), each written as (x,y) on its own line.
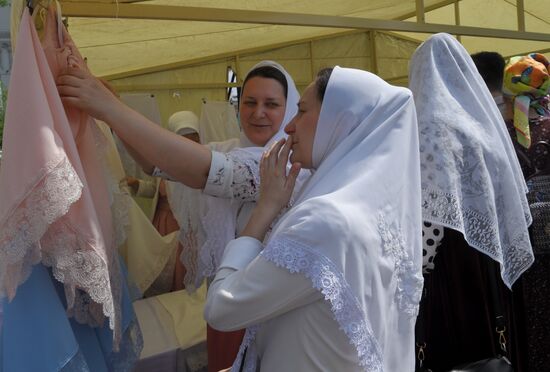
(181,50)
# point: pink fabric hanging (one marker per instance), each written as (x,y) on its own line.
(54,201)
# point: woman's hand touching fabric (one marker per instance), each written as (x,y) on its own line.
(80,89)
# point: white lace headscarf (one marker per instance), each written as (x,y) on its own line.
(471,178)
(219,216)
(355,227)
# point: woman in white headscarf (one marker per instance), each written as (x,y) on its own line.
(336,284)
(473,188)
(228,178)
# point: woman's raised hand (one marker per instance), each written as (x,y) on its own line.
(80,89)
(276,184)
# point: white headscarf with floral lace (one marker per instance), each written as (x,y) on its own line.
(355,227)
(471,178)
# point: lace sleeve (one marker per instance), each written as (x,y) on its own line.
(246,180)
(233,176)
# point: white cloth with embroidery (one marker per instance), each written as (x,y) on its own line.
(353,235)
(471,178)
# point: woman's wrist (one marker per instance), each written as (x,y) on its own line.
(260,220)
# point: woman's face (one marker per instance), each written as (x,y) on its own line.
(262,109)
(302,127)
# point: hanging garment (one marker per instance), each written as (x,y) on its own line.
(56,222)
(144,251)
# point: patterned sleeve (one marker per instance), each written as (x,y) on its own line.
(233,177)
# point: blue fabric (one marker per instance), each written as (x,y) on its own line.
(37,335)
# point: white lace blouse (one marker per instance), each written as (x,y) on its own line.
(230,177)
(299,332)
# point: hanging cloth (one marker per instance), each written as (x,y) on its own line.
(55,206)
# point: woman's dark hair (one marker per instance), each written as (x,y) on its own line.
(321,82)
(269,73)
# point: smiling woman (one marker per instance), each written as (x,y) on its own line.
(263,104)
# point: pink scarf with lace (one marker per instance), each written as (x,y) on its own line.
(54,201)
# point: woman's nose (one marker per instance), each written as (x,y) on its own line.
(259,111)
(290,127)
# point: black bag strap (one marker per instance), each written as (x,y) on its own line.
(421,329)
(499,313)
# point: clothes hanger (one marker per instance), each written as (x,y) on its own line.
(36,5)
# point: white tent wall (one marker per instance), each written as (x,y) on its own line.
(184,88)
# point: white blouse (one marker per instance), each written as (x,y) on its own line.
(229,177)
(298,333)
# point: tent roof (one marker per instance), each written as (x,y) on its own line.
(119,40)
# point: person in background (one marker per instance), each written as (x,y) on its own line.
(527,84)
(183,123)
(473,188)
(490,66)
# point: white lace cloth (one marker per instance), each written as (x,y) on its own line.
(471,178)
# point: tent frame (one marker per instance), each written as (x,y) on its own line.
(135,9)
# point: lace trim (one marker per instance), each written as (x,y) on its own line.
(90,286)
(246,177)
(325,276)
(218,223)
(482,234)
(251,359)
(20,232)
(189,258)
(409,279)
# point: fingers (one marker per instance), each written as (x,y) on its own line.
(284,155)
(292,176)
(270,157)
(68,91)
(74,72)
(69,80)
(274,152)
